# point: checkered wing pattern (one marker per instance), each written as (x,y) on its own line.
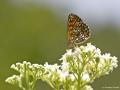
(78,31)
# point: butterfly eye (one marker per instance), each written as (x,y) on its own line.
(78,31)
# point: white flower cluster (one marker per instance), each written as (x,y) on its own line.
(29,74)
(80,66)
(87,63)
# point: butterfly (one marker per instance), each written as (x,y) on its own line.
(78,32)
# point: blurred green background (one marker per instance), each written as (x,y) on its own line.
(37,35)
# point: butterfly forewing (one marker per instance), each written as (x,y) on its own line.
(78,31)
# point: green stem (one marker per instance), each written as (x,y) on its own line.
(79,73)
(57,87)
(78,88)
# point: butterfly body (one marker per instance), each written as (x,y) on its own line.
(78,31)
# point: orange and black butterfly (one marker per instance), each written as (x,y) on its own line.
(78,31)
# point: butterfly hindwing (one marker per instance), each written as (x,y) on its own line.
(78,31)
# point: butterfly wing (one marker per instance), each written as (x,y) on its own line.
(78,31)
